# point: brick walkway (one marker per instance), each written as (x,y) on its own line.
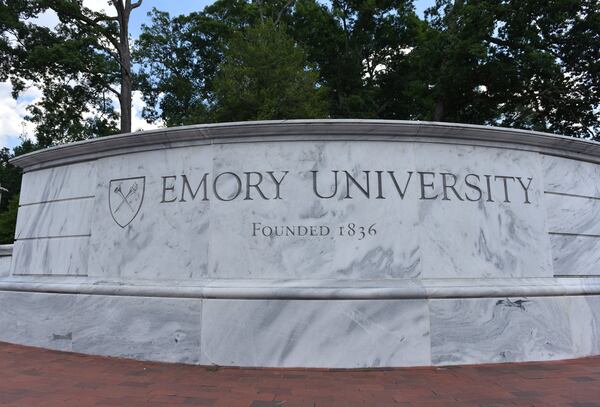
(31,377)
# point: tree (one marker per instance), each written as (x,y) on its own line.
(10,178)
(180,56)
(350,42)
(124,54)
(8,220)
(76,65)
(548,54)
(178,59)
(264,75)
(446,70)
(531,65)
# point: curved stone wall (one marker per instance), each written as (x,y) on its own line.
(338,243)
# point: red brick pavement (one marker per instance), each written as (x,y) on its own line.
(31,377)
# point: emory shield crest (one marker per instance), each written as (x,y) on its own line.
(125,198)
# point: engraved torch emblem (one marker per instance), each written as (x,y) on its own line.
(125,198)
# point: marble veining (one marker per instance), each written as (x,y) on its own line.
(570,176)
(55,219)
(64,182)
(309,244)
(576,215)
(339,334)
(37,319)
(284,333)
(204,204)
(165,241)
(57,256)
(576,255)
(509,329)
(487,238)
(139,328)
(391,253)
(5,265)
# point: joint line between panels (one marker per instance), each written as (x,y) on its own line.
(51,237)
(572,234)
(572,195)
(57,200)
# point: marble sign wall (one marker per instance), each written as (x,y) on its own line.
(310,243)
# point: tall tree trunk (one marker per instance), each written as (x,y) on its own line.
(123,13)
(126,86)
(440,110)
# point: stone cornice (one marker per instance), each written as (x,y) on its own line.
(312,130)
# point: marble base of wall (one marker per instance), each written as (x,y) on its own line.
(306,333)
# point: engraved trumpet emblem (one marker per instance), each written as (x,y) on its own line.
(125,197)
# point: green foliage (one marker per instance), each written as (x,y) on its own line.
(548,54)
(264,75)
(443,76)
(350,43)
(10,178)
(76,65)
(8,220)
(178,62)
(71,112)
(532,64)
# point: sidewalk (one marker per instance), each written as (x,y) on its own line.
(31,377)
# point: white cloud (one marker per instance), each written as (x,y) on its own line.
(12,113)
(100,6)
(49,18)
(137,122)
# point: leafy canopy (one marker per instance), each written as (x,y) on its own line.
(265,75)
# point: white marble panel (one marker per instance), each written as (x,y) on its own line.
(490,237)
(585,324)
(54,219)
(568,214)
(391,251)
(160,329)
(335,334)
(226,238)
(5,265)
(490,330)
(576,255)
(164,240)
(37,319)
(58,256)
(65,182)
(568,176)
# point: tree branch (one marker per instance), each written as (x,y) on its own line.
(136,4)
(92,23)
(113,90)
(104,18)
(283,9)
(498,41)
(508,44)
(118,6)
(112,53)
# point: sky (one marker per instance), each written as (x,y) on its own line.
(12,112)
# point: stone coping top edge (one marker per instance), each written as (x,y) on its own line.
(281,129)
(322,290)
(6,250)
